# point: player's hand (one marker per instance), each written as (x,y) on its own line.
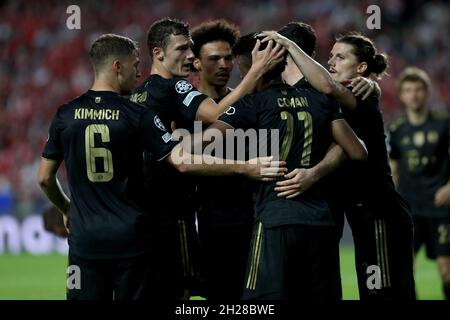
(297,181)
(442,197)
(265,169)
(275,36)
(66,221)
(363,87)
(66,217)
(265,60)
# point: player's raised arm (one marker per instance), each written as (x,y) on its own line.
(317,75)
(263,61)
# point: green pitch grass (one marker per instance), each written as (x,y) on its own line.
(43,277)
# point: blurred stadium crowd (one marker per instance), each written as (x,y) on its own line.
(44,64)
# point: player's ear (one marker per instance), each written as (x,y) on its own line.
(197,64)
(158,53)
(362,67)
(116,65)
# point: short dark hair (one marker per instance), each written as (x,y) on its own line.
(215,30)
(159,33)
(302,34)
(364,49)
(111,45)
(244,47)
(413,74)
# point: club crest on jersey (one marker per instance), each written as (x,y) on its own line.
(159,123)
(183,86)
(230,111)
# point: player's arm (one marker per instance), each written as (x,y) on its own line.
(316,75)
(301,179)
(263,61)
(442,196)
(185,160)
(347,139)
(395,171)
(52,188)
(364,87)
(394,153)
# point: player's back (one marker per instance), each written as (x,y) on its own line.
(303,118)
(98,135)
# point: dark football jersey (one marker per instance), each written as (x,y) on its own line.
(367,180)
(175,100)
(302,117)
(225,200)
(422,152)
(101,137)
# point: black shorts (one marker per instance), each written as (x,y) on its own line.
(176,251)
(293,262)
(224,252)
(383,239)
(111,279)
(434,233)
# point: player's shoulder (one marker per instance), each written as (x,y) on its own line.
(81,100)
(439,115)
(180,85)
(398,123)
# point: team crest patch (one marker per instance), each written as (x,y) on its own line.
(159,123)
(230,111)
(183,86)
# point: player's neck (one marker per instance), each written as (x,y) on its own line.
(263,85)
(291,75)
(417,117)
(160,70)
(102,83)
(214,92)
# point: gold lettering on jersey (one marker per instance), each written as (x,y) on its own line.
(413,159)
(432,136)
(419,138)
(292,102)
(139,97)
(94,114)
(406,141)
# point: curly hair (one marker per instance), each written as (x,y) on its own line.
(215,30)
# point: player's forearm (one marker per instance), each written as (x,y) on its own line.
(246,86)
(334,158)
(54,192)
(319,77)
(395,172)
(211,166)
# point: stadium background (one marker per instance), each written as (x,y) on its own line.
(43,64)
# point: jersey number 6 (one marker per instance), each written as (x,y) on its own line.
(92,153)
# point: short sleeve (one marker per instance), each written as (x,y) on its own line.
(391,145)
(242,114)
(187,98)
(335,110)
(53,148)
(154,136)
